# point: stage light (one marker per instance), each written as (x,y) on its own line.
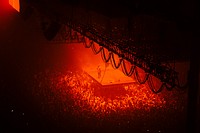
(15,4)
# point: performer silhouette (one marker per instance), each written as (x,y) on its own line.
(99,71)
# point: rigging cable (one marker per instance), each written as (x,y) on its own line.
(124,69)
(113,62)
(152,86)
(138,78)
(103,56)
(94,49)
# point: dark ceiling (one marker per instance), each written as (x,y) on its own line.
(170,9)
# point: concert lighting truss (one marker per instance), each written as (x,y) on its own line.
(78,33)
(78,27)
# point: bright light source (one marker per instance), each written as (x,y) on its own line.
(15,4)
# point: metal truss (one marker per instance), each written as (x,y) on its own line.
(167,75)
(126,46)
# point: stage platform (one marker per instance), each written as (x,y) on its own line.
(106,75)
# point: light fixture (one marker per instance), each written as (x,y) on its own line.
(15,4)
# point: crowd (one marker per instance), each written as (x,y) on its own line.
(72,93)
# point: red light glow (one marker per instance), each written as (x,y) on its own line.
(73,87)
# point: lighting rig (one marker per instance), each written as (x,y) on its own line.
(133,39)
